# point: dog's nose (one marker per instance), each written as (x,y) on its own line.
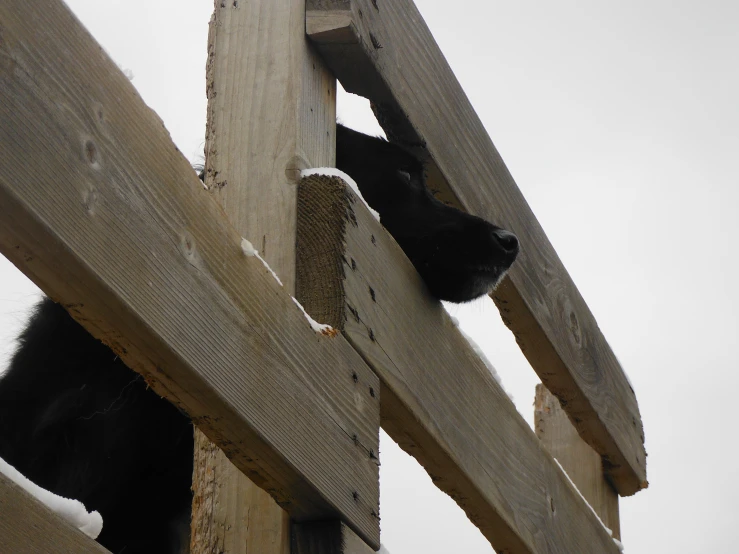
(507,241)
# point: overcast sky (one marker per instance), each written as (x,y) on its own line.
(619,122)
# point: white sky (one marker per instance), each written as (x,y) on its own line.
(619,122)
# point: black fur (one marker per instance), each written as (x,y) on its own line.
(77,421)
(459,256)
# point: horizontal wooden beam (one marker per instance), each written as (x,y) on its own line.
(100,210)
(28,527)
(385,52)
(439,400)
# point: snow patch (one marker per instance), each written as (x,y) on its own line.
(322,328)
(248,249)
(333,172)
(90,523)
(127,72)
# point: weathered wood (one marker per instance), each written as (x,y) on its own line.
(582,463)
(103,213)
(385,52)
(28,527)
(439,400)
(271,113)
(230,513)
(326,537)
(259,64)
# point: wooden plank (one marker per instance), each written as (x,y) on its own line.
(231,514)
(28,527)
(439,400)
(582,463)
(271,113)
(103,213)
(259,63)
(385,52)
(326,537)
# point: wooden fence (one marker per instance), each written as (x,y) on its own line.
(100,209)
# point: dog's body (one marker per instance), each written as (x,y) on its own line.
(77,421)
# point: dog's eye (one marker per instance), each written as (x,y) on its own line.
(405,175)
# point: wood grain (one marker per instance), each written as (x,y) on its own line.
(271,112)
(103,213)
(582,463)
(230,513)
(385,52)
(28,527)
(439,401)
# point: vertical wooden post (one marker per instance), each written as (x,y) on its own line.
(582,463)
(271,113)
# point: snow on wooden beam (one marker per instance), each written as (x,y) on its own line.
(28,527)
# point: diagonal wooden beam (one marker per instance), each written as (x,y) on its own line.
(100,210)
(439,400)
(28,527)
(384,51)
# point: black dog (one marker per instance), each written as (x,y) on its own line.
(77,421)
(459,256)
